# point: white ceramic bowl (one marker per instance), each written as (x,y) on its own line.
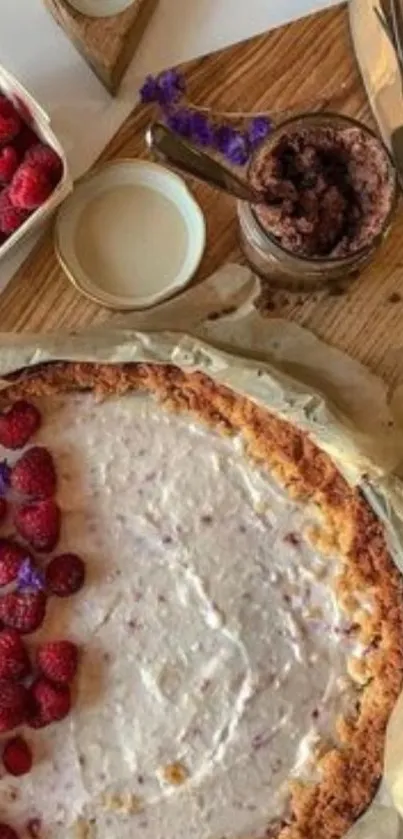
(130,235)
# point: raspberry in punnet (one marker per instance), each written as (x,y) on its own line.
(10,121)
(8,164)
(47,159)
(11,218)
(26,138)
(30,187)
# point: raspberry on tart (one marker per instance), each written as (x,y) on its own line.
(17,757)
(7,832)
(39,523)
(19,422)
(34,474)
(58,661)
(14,705)
(65,575)
(23,610)
(12,556)
(51,703)
(14,659)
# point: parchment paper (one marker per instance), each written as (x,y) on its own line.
(215,328)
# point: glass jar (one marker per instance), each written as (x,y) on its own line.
(286,269)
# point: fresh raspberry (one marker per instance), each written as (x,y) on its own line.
(14,661)
(58,660)
(8,164)
(34,828)
(12,555)
(30,187)
(3,508)
(34,474)
(25,140)
(65,575)
(47,159)
(39,524)
(17,757)
(7,832)
(51,703)
(13,705)
(19,423)
(23,610)
(10,122)
(11,218)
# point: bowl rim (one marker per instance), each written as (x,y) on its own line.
(118,302)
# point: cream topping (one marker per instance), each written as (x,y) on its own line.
(211,639)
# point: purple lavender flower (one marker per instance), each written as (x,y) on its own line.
(224,135)
(258,130)
(149,90)
(171,87)
(165,89)
(5,473)
(180,122)
(30,577)
(202,132)
(237,151)
(232,144)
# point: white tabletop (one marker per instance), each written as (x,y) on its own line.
(83,115)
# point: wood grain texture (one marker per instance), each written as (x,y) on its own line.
(300,65)
(107,44)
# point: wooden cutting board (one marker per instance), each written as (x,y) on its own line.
(303,65)
(107,44)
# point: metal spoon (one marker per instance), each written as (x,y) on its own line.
(185,158)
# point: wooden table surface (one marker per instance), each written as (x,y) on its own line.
(298,66)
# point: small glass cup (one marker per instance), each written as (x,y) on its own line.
(285,269)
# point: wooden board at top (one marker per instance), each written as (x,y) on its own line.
(306,64)
(107,44)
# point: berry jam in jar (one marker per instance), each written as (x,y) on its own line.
(329,195)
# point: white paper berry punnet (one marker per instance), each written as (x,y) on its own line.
(39,121)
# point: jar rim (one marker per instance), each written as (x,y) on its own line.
(323,117)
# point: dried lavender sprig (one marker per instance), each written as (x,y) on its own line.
(234,144)
(200,125)
(165,89)
(30,577)
(5,475)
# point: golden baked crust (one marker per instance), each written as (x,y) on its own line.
(351,769)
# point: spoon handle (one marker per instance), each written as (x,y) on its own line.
(182,156)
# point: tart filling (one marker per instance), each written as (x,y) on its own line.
(217,639)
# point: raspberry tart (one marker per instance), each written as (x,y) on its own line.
(201,624)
